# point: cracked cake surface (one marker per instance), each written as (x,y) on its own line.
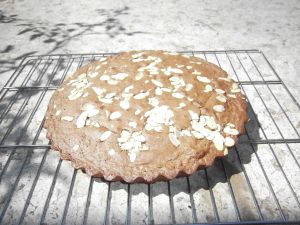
(145,116)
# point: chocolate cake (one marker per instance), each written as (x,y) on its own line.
(145,116)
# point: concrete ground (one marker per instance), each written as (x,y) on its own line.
(30,178)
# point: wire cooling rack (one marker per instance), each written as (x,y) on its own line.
(257,183)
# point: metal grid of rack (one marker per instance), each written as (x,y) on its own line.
(257,183)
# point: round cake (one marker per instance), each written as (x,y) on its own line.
(145,116)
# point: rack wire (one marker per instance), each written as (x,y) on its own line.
(257,183)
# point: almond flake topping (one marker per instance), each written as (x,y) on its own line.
(120,76)
(157,83)
(229,142)
(137,112)
(203,79)
(115,115)
(219,91)
(139,75)
(141,95)
(189,87)
(125,104)
(181,105)
(153,101)
(158,91)
(105,77)
(230,130)
(81,119)
(221,98)
(174,139)
(104,136)
(208,88)
(196,72)
(158,116)
(132,124)
(67,118)
(93,74)
(219,108)
(178,95)
(133,143)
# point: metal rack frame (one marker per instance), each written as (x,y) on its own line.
(25,86)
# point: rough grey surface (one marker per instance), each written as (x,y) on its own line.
(270,171)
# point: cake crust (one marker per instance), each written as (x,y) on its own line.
(145,116)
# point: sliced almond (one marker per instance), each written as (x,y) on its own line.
(231,131)
(119,76)
(197,126)
(210,122)
(203,79)
(219,91)
(81,119)
(189,87)
(153,101)
(137,112)
(137,60)
(106,100)
(132,124)
(229,142)
(190,99)
(178,95)
(157,83)
(112,82)
(166,89)
(75,95)
(67,118)
(139,75)
(91,109)
(85,94)
(132,157)
(189,67)
(141,95)
(93,74)
(225,78)
(235,90)
(208,88)
(105,135)
(158,91)
(181,105)
(174,70)
(174,139)
(99,91)
(218,141)
(125,104)
(231,95)
(221,98)
(128,88)
(197,134)
(196,72)
(186,133)
(194,116)
(57,112)
(110,95)
(219,108)
(137,55)
(115,115)
(105,77)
